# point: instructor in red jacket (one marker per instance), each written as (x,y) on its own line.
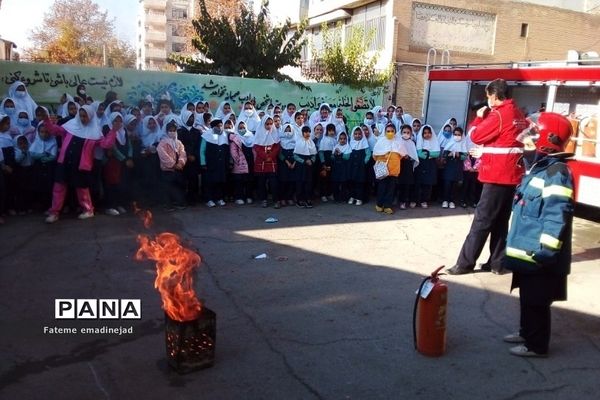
(496,129)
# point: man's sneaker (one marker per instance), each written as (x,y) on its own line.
(522,351)
(221,202)
(121,210)
(112,212)
(324,199)
(513,338)
(210,204)
(239,202)
(445,204)
(52,218)
(451,205)
(86,215)
(300,204)
(359,202)
(412,204)
(351,200)
(424,205)
(388,211)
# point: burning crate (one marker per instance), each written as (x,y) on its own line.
(191,344)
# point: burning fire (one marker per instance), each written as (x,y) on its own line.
(174,272)
(146,215)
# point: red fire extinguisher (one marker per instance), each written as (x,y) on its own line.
(429,316)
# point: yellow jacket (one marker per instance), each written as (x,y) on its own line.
(393,163)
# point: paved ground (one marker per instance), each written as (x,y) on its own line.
(326,316)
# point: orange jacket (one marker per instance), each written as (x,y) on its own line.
(393,163)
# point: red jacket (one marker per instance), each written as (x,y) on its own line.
(265,158)
(497,132)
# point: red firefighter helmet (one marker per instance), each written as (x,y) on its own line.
(553,130)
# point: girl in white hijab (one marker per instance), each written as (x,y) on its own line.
(428,150)
(359,158)
(7,107)
(326,145)
(250,117)
(151,134)
(81,135)
(305,153)
(43,150)
(455,153)
(323,115)
(23,101)
(214,160)
(247,139)
(223,110)
(287,164)
(266,153)
(340,167)
(172,161)
(114,165)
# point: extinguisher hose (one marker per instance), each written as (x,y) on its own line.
(415,309)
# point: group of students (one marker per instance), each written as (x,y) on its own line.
(111,155)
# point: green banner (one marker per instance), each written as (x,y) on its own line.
(47,82)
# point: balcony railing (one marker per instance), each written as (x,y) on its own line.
(156,18)
(156,36)
(155,4)
(159,54)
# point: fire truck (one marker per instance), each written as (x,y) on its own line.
(571,88)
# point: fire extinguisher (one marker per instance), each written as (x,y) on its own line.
(429,316)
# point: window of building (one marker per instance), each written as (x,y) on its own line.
(524,30)
(178,30)
(178,47)
(179,13)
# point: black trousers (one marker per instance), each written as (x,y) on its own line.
(471,188)
(404,192)
(273,182)
(174,183)
(213,191)
(422,193)
(536,324)
(340,191)
(491,219)
(386,188)
(448,194)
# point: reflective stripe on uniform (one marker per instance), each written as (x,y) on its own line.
(537,183)
(550,241)
(557,190)
(520,254)
(502,150)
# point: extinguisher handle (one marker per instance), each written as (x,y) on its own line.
(436,273)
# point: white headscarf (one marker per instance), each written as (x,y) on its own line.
(65,110)
(213,138)
(262,137)
(91,131)
(41,146)
(411,149)
(327,143)
(430,144)
(407,119)
(220,114)
(252,120)
(305,147)
(149,137)
(23,130)
(288,141)
(385,145)
(358,144)
(345,149)
(372,139)
(61,108)
(184,116)
(442,140)
(14,116)
(315,117)
(312,130)
(339,125)
(247,137)
(460,147)
(121,132)
(104,119)
(6,139)
(379,120)
(164,133)
(22,103)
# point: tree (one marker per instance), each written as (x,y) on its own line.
(348,62)
(248,45)
(217,8)
(78,32)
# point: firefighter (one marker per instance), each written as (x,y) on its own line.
(538,248)
(496,128)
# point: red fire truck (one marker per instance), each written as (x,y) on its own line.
(571,88)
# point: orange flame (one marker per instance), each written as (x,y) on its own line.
(146,215)
(174,274)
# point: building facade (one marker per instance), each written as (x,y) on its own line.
(162,30)
(466,32)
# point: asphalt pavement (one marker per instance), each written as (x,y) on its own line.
(326,315)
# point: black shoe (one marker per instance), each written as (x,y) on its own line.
(300,204)
(309,204)
(485,267)
(501,271)
(456,270)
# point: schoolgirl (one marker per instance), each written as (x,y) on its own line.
(171,153)
(113,168)
(305,155)
(250,117)
(247,182)
(43,152)
(390,150)
(80,136)
(326,145)
(266,153)
(287,170)
(322,115)
(428,150)
(409,162)
(190,137)
(23,100)
(223,110)
(340,168)
(214,160)
(239,168)
(359,158)
(149,161)
(455,153)
(24,126)
(23,176)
